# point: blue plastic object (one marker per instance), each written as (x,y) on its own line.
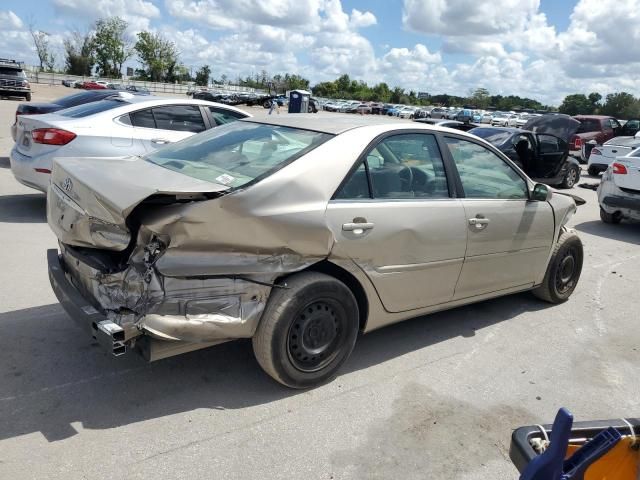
(551,465)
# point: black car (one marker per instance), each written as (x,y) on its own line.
(137,90)
(13,80)
(540,148)
(441,122)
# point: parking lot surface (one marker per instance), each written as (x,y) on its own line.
(434,397)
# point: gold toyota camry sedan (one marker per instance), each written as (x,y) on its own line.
(299,232)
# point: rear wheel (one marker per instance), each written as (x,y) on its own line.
(572,176)
(307,330)
(593,171)
(615,217)
(563,271)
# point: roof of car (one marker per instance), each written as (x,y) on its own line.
(595,117)
(327,123)
(504,129)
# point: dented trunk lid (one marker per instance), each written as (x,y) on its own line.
(90,199)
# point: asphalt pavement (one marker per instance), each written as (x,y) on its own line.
(431,398)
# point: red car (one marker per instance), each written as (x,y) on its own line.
(92,85)
(600,128)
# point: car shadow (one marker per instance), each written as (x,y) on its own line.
(26,208)
(53,376)
(4,162)
(625,232)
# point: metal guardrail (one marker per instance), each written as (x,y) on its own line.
(49,78)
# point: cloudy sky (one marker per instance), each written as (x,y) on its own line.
(542,49)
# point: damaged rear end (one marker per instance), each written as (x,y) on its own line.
(153,259)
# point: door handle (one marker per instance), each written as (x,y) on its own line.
(357,228)
(160,141)
(479,222)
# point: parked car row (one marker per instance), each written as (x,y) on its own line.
(104,85)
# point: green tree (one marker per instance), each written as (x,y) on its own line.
(111,47)
(480,97)
(79,54)
(202,75)
(622,105)
(576,104)
(41,42)
(158,56)
(594,98)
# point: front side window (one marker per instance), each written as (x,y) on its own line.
(237,153)
(399,167)
(483,174)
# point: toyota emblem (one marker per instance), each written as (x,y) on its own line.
(67,184)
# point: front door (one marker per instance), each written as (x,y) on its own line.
(551,153)
(509,236)
(394,217)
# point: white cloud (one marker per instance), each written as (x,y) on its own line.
(10,21)
(362,19)
(137,13)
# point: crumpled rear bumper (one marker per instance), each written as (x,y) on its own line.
(191,314)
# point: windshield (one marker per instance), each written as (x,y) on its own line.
(491,135)
(87,109)
(237,153)
(12,72)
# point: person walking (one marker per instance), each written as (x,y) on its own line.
(274,106)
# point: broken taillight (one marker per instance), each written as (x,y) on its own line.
(618,168)
(52,136)
(577,142)
(595,151)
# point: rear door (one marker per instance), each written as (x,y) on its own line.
(509,236)
(551,153)
(158,126)
(395,218)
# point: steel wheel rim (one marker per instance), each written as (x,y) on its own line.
(565,273)
(316,335)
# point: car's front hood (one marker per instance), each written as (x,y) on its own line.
(562,126)
(90,199)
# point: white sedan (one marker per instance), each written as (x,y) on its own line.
(504,120)
(113,127)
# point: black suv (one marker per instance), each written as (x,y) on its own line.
(13,80)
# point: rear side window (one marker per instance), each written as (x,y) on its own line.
(142,118)
(87,109)
(181,118)
(222,116)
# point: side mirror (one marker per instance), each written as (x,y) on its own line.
(541,193)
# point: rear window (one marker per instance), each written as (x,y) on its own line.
(491,135)
(237,153)
(87,109)
(588,125)
(13,72)
(78,99)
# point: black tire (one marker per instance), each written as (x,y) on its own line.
(593,171)
(614,218)
(307,331)
(571,178)
(27,97)
(563,271)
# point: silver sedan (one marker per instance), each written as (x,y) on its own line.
(120,125)
(299,232)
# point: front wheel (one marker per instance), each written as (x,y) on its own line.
(307,331)
(563,271)
(572,176)
(606,217)
(27,97)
